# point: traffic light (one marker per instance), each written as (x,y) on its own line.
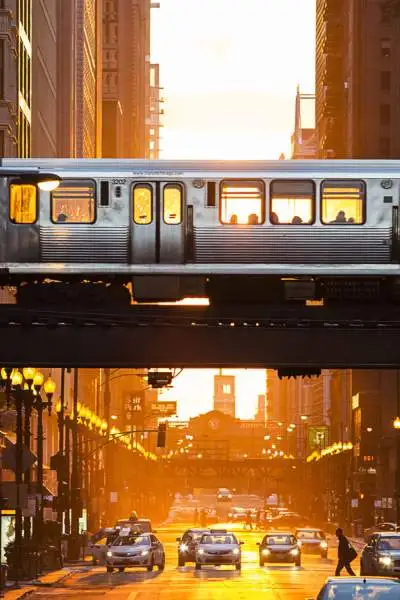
(159,379)
(161,435)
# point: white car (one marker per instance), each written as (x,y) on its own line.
(219,547)
(135,550)
(224,495)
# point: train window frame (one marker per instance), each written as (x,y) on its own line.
(242,181)
(37,202)
(172,184)
(142,184)
(95,199)
(313,202)
(343,182)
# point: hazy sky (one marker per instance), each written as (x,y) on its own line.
(230,70)
(194,391)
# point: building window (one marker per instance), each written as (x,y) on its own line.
(386,47)
(242,202)
(2,68)
(2,143)
(384,114)
(385,81)
(143,204)
(226,388)
(292,202)
(23,204)
(74,201)
(384,147)
(343,202)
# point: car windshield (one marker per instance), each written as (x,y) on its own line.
(309,535)
(389,543)
(218,539)
(145,526)
(197,535)
(279,540)
(361,591)
(132,540)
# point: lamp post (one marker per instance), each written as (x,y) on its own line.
(73,548)
(16,382)
(49,389)
(28,373)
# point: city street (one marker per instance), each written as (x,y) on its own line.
(276,582)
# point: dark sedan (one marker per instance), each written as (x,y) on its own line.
(381,555)
(279,547)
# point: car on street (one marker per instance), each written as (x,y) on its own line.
(289,520)
(357,588)
(219,547)
(98,545)
(135,550)
(312,541)
(381,555)
(224,495)
(389,527)
(236,514)
(188,544)
(279,547)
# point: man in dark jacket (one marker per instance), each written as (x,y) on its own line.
(343,554)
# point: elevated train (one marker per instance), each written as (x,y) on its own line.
(263,232)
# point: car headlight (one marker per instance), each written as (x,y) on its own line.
(265,551)
(299,543)
(294,552)
(201,551)
(229,514)
(236,551)
(109,553)
(230,496)
(386,561)
(183,548)
(144,553)
(324,545)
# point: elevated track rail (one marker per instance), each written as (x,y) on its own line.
(181,336)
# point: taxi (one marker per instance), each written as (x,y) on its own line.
(219,547)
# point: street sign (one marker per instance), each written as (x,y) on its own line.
(9,458)
(113,497)
(163,409)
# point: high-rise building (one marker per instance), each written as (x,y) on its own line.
(16,78)
(303,138)
(357,78)
(224,394)
(153,120)
(127,93)
(79,81)
(44,79)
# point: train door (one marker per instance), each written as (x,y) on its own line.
(158,234)
(21,243)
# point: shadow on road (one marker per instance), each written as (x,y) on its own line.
(102,579)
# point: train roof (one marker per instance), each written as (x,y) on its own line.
(217,168)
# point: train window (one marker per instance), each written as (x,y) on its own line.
(343,202)
(74,201)
(211,195)
(292,202)
(23,203)
(242,202)
(172,204)
(143,204)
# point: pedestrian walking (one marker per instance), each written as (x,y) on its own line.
(346,553)
(248,521)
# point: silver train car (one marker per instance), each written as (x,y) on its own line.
(261,232)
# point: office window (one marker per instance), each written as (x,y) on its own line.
(143,204)
(292,202)
(23,203)
(226,388)
(74,201)
(2,68)
(343,202)
(384,114)
(242,202)
(386,47)
(173,204)
(385,81)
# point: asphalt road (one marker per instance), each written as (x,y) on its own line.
(274,582)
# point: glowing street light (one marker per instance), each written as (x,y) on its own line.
(396,423)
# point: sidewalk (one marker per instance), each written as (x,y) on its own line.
(47,580)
